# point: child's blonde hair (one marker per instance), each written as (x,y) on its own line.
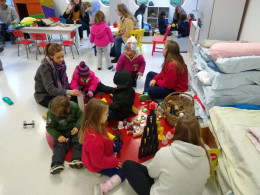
(188,130)
(99,17)
(93,113)
(173,54)
(52,48)
(60,106)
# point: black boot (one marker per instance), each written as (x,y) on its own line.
(112,51)
(115,59)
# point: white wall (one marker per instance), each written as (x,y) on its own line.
(251,26)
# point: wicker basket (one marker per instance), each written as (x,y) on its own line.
(184,101)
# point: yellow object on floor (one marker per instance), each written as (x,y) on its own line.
(104,99)
(44,116)
(134,110)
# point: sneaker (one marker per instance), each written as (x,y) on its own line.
(77,164)
(96,190)
(99,68)
(115,60)
(111,68)
(56,169)
(144,97)
(81,42)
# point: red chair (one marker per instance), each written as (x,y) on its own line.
(160,40)
(41,37)
(69,43)
(21,40)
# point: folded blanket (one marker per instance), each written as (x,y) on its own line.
(253,133)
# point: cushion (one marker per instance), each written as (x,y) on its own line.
(227,50)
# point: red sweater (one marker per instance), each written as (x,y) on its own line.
(97,152)
(169,78)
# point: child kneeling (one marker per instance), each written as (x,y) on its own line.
(63,123)
(98,150)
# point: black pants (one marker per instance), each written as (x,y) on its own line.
(134,78)
(60,149)
(138,177)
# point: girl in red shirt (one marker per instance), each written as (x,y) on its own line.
(97,149)
(173,77)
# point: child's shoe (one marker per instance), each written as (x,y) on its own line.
(7,100)
(111,68)
(76,164)
(99,68)
(144,97)
(96,190)
(55,169)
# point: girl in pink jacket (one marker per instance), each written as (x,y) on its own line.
(101,36)
(131,60)
(84,79)
(97,149)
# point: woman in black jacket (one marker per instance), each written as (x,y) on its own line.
(76,11)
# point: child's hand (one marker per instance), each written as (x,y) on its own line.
(74,131)
(62,139)
(152,83)
(119,165)
(75,92)
(90,93)
(139,75)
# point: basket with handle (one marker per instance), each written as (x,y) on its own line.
(176,103)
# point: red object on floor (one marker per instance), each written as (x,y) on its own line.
(131,144)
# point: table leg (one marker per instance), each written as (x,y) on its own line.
(77,38)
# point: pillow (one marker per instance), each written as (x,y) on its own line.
(204,54)
(213,66)
(227,50)
(208,43)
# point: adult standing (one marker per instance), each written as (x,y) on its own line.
(127,23)
(51,78)
(77,12)
(8,17)
(139,15)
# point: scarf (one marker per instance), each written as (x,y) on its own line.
(60,71)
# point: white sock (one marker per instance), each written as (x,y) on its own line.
(110,184)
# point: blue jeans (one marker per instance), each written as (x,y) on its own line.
(117,46)
(155,91)
(114,171)
(5,32)
(83,26)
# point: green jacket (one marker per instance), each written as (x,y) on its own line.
(57,126)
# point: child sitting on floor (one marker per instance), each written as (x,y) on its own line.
(98,149)
(131,60)
(182,168)
(84,79)
(123,96)
(63,124)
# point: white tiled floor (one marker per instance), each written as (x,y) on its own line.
(25,154)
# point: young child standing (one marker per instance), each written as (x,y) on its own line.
(131,60)
(84,80)
(182,168)
(173,77)
(123,95)
(101,36)
(63,123)
(98,149)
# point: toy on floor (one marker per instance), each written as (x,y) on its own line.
(149,142)
(7,100)
(28,124)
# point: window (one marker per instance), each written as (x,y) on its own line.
(105,2)
(139,2)
(175,3)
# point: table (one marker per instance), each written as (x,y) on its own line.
(54,30)
(113,29)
